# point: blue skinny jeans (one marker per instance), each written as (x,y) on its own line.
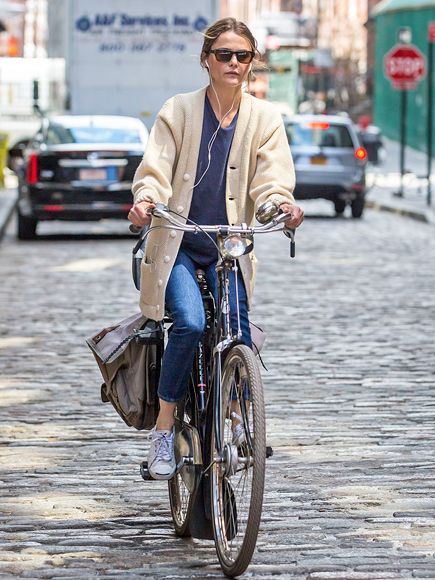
(184,304)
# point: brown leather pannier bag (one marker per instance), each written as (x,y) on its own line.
(128,355)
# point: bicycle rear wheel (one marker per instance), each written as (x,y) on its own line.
(237,473)
(180,500)
(182,486)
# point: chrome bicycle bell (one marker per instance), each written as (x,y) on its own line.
(266,212)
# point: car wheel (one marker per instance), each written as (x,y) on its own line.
(26,229)
(357,206)
(340,206)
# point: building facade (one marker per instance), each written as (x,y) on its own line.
(331,53)
(389,17)
(23,28)
(25,70)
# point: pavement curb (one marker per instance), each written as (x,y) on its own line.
(8,203)
(421,215)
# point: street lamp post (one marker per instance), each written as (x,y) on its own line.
(431,42)
(404,65)
(404,36)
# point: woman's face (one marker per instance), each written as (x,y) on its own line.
(232,73)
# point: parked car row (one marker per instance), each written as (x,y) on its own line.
(77,168)
(81,167)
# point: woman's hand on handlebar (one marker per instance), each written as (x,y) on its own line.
(296,216)
(140,214)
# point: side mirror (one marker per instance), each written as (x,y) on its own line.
(266,212)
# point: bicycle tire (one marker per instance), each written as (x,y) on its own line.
(237,498)
(181,499)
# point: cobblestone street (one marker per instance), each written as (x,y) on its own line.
(350,491)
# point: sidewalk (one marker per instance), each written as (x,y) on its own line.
(384,182)
(8,201)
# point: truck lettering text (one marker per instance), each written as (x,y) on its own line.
(181,20)
(112,47)
(105,19)
(127,20)
(141,46)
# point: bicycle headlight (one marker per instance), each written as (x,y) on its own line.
(234,246)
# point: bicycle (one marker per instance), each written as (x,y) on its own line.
(217,489)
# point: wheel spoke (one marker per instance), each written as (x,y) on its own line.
(237,488)
(181,500)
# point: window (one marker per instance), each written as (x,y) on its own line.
(60,134)
(319,134)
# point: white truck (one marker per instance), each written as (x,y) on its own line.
(128,57)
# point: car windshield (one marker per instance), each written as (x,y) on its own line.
(59,134)
(318,133)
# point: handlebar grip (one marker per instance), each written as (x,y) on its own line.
(290,233)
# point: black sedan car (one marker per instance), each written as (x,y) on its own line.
(78,168)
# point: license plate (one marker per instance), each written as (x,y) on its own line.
(93,174)
(318,160)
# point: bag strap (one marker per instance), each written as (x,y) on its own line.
(120,345)
(143,333)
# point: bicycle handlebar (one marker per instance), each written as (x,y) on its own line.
(161,211)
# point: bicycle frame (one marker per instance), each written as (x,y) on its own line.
(222,336)
(206,374)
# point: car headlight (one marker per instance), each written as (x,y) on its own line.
(234,246)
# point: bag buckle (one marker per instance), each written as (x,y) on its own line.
(151,333)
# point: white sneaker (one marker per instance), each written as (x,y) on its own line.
(238,429)
(161,459)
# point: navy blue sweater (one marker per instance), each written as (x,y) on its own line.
(208,201)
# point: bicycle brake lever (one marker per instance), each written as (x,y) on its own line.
(290,233)
(158,208)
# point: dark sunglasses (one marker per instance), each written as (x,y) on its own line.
(225,55)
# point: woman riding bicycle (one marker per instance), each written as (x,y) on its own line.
(213,156)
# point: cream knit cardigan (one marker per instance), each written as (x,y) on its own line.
(260,168)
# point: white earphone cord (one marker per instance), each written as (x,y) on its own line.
(214,136)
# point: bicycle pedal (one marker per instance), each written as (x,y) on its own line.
(144,471)
(269,451)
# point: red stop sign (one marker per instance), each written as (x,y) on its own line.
(404,65)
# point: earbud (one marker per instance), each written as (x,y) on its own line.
(206,64)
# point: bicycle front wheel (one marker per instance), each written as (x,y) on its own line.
(238,461)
